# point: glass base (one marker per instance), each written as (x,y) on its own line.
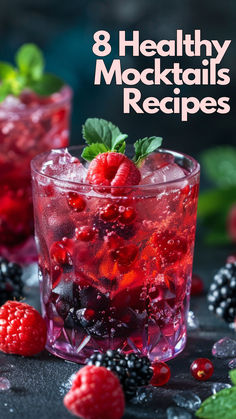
(79,354)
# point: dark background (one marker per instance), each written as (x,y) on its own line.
(64,30)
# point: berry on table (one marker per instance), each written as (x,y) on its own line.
(202,369)
(197,285)
(85,233)
(11,284)
(231,258)
(96,393)
(161,374)
(76,202)
(132,370)
(23,330)
(222,293)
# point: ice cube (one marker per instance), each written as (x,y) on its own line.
(224,348)
(193,322)
(144,395)
(4,384)
(61,164)
(216,387)
(188,400)
(155,161)
(177,413)
(167,173)
(232,364)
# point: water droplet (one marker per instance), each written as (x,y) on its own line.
(4,384)
(188,400)
(177,413)
(193,322)
(216,387)
(224,348)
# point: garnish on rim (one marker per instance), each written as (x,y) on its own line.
(102,136)
(28,74)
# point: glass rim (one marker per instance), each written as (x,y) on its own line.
(194,172)
(66,93)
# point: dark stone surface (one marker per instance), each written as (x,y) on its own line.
(37,383)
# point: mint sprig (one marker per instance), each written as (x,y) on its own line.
(220,405)
(28,74)
(144,147)
(102,136)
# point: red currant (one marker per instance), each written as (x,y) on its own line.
(127,215)
(202,369)
(161,374)
(197,285)
(125,255)
(109,212)
(76,202)
(85,233)
(59,253)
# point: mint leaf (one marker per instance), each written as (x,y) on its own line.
(47,85)
(93,150)
(220,405)
(7,71)
(220,165)
(30,61)
(145,146)
(118,142)
(97,130)
(4,91)
(232,375)
(121,148)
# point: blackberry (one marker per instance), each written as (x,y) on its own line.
(132,370)
(11,285)
(222,293)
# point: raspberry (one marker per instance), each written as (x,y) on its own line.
(95,394)
(85,233)
(113,169)
(170,247)
(22,329)
(76,202)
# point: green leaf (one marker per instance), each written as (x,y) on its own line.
(93,150)
(220,405)
(121,148)
(7,71)
(145,146)
(47,85)
(4,91)
(118,142)
(232,374)
(220,165)
(97,130)
(30,61)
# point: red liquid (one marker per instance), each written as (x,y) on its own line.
(115,272)
(28,126)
